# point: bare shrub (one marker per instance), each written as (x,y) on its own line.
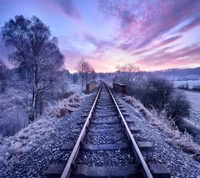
(178,106)
(63,107)
(184,86)
(156,92)
(159,93)
(196,87)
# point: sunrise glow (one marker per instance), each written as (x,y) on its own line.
(151,34)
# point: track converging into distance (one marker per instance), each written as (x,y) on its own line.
(106,146)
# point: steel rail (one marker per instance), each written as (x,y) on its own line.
(136,149)
(72,158)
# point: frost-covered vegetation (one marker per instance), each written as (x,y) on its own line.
(35,132)
(14,102)
(37,79)
(13,111)
(154,92)
(159,120)
(63,107)
(37,57)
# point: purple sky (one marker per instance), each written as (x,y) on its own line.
(152,34)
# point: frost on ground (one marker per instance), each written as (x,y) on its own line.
(13,115)
(14,110)
(157,131)
(194,99)
(27,138)
(174,136)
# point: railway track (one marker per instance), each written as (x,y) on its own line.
(106,147)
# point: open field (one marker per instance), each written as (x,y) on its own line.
(194,99)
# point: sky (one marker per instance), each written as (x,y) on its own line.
(151,34)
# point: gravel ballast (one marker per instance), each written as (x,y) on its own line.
(35,162)
(106,158)
(181,164)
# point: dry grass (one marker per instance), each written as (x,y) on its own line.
(29,137)
(64,107)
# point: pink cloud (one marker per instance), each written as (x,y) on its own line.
(168,41)
(101,46)
(143,21)
(180,58)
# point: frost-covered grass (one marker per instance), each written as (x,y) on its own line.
(194,99)
(28,137)
(74,87)
(13,111)
(159,120)
(14,119)
(63,107)
(25,139)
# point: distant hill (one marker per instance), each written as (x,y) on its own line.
(180,74)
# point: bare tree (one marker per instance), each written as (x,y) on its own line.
(84,69)
(127,72)
(37,53)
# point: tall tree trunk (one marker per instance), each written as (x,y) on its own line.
(82,84)
(32,107)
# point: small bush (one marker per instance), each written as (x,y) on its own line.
(159,93)
(178,106)
(196,87)
(184,86)
(154,92)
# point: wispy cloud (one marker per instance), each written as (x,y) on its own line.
(69,8)
(180,58)
(98,43)
(168,41)
(194,23)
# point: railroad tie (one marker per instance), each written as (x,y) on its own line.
(160,171)
(123,171)
(54,170)
(144,146)
(116,146)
